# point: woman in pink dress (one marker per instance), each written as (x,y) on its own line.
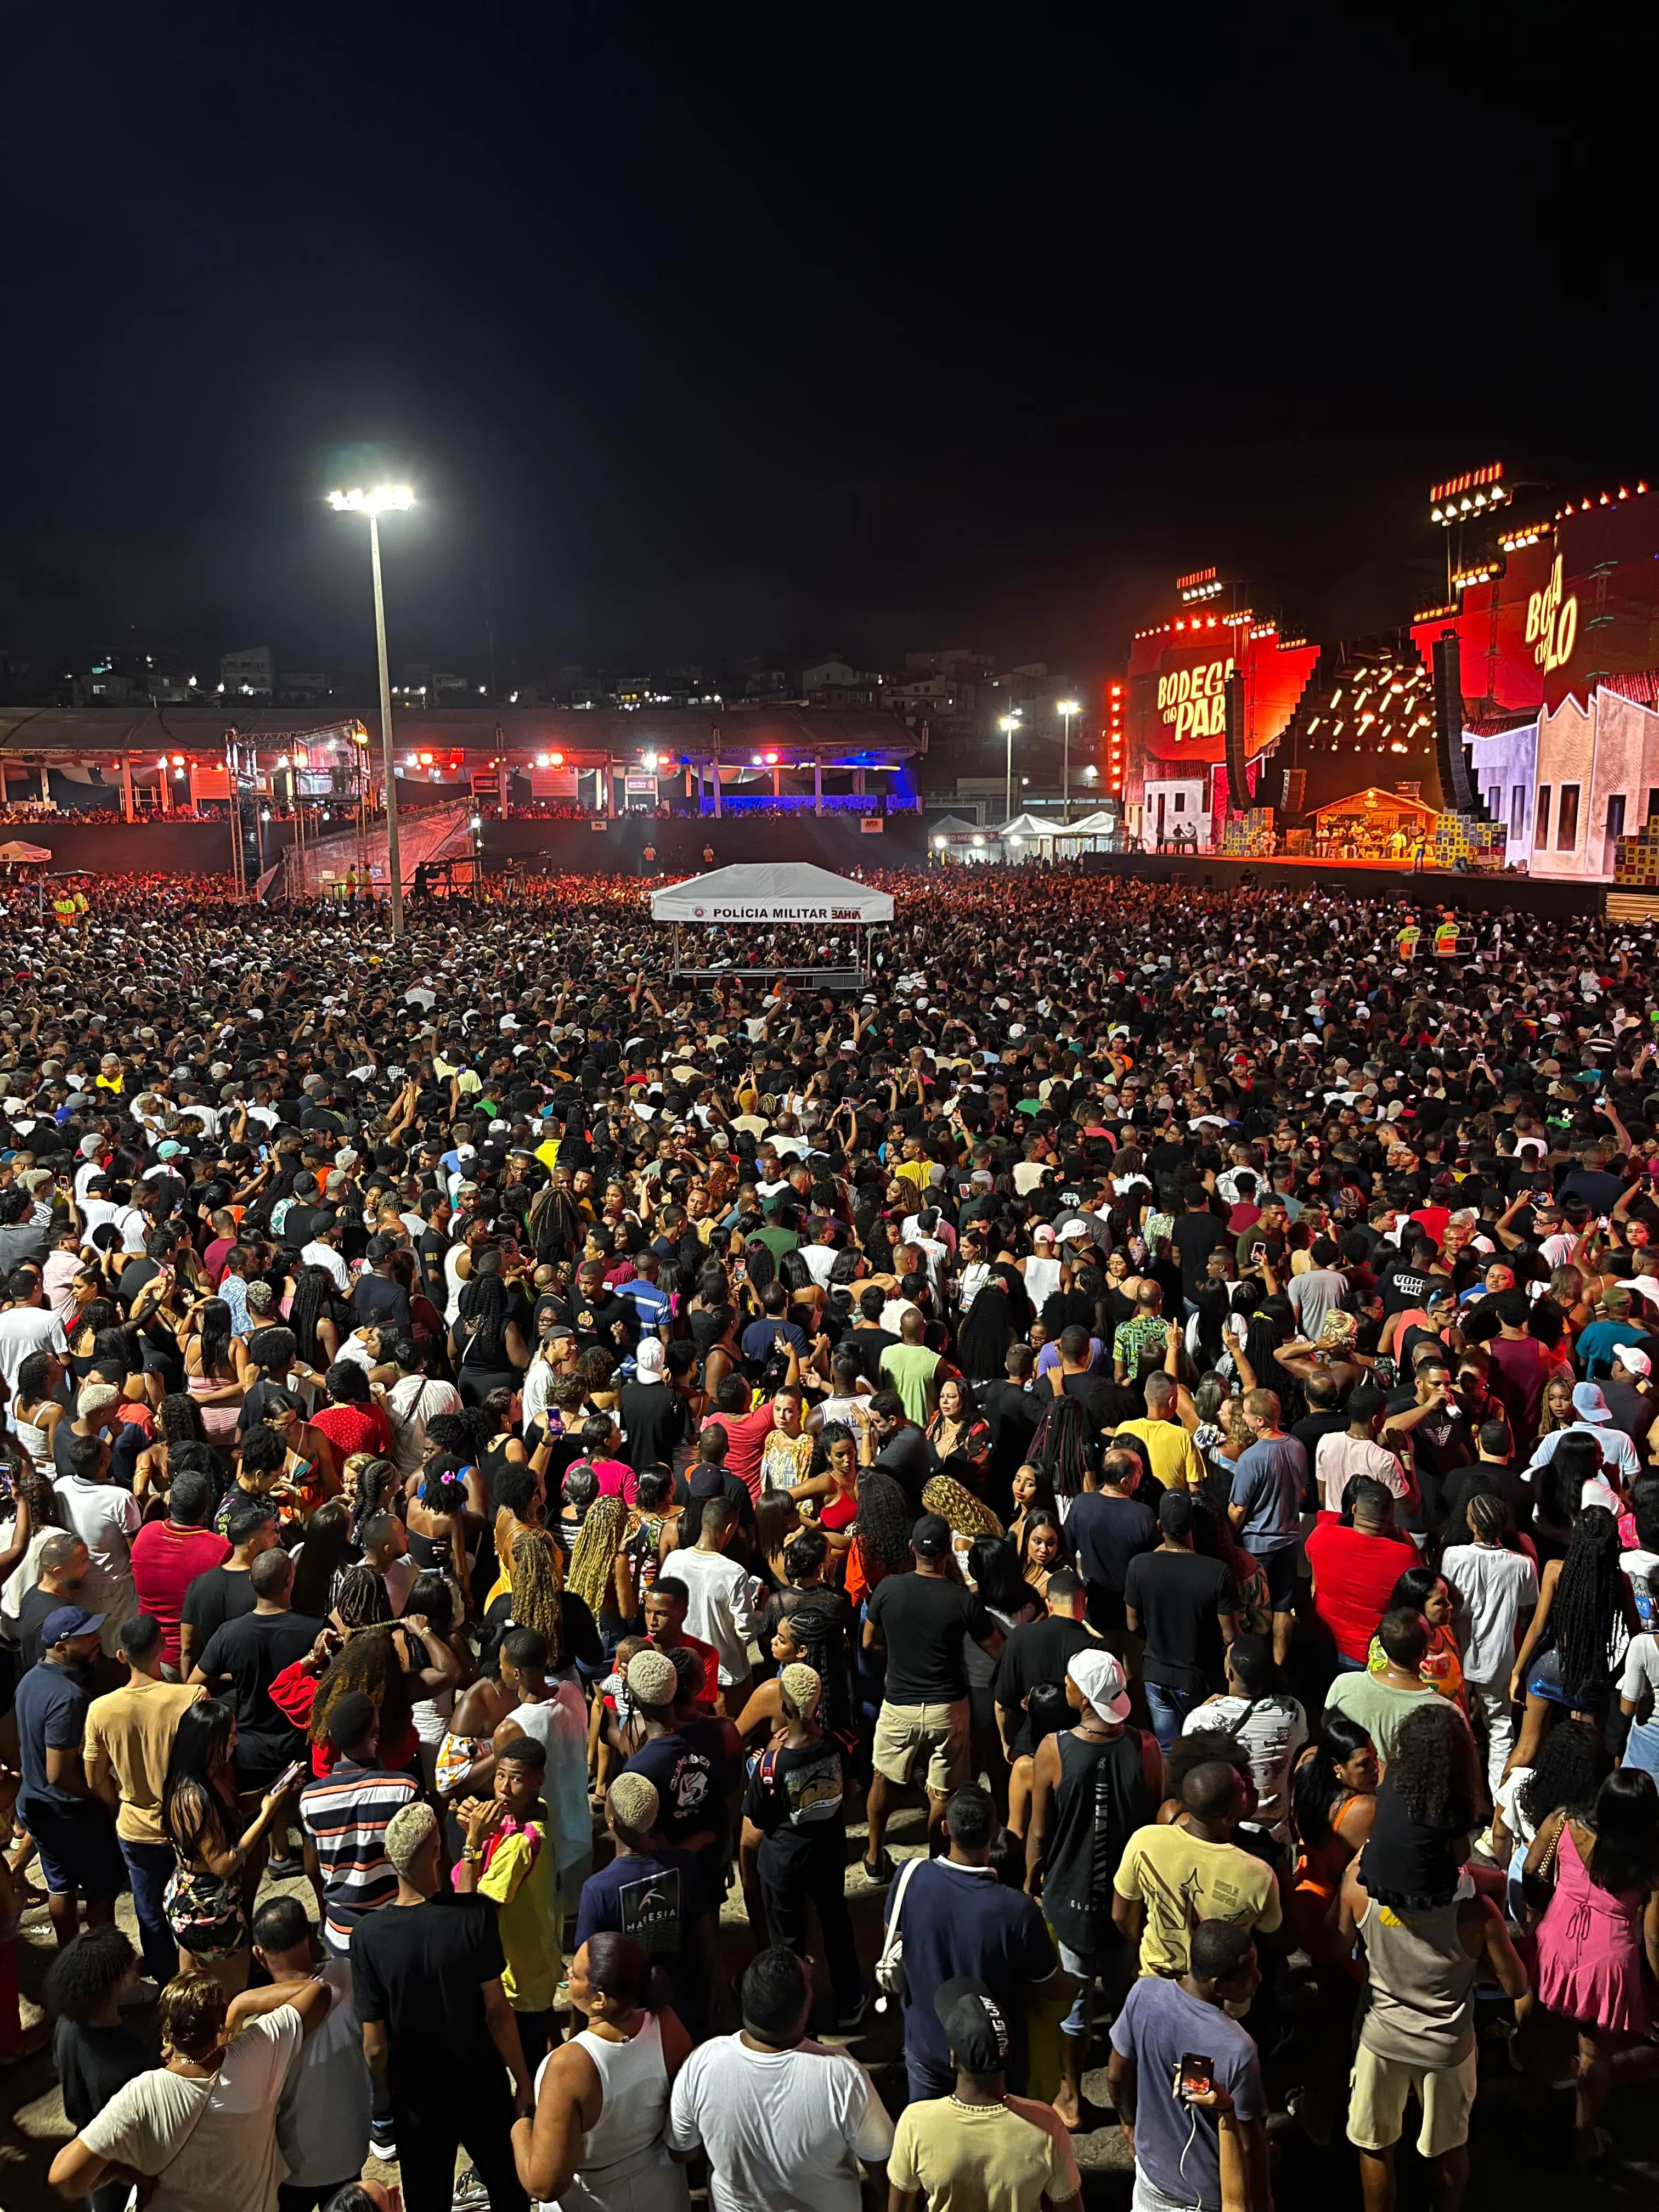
(1602,1915)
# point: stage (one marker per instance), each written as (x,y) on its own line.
(1549,895)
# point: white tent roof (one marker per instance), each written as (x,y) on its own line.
(18,851)
(1046,827)
(784,890)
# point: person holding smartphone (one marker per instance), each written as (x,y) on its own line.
(1185,2080)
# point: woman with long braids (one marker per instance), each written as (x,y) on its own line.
(599,1573)
(881,1543)
(536,1597)
(1061,1445)
(1565,1664)
(319,1318)
(969,1516)
(216,1370)
(373,1485)
(486,1345)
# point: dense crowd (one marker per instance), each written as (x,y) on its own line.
(534,1485)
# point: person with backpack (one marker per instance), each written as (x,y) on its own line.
(1092,1786)
(794,1839)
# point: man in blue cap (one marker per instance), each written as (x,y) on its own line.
(79,1855)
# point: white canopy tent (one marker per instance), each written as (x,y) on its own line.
(769,893)
(1047,834)
(778,891)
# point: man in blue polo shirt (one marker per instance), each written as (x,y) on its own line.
(1266,1509)
(956,1917)
(71,1824)
(650,1304)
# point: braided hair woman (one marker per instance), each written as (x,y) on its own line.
(1565,1664)
(599,1573)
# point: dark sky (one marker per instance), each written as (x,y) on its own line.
(716,330)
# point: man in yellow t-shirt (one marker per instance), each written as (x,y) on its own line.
(508,1858)
(126,1745)
(980,2147)
(1172,1878)
(1175,1457)
(915,1167)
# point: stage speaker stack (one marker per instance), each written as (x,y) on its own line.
(1456,790)
(1238,781)
(1296,792)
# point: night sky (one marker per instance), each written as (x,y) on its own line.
(719,330)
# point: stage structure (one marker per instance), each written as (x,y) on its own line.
(1521,707)
(782,896)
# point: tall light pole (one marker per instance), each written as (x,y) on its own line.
(386,499)
(1067,709)
(1010,724)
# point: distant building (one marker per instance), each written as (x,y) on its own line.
(250,674)
(299,686)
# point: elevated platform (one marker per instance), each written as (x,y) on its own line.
(1472,893)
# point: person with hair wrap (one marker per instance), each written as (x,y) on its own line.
(595,2141)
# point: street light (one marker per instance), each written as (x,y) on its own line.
(1010,724)
(1067,709)
(384,499)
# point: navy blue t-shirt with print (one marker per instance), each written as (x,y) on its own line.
(962,1920)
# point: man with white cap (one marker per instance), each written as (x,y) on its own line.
(1592,1418)
(655,1418)
(1628,1392)
(1093,1786)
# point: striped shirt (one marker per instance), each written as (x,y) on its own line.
(346,1816)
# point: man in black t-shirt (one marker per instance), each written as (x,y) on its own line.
(655,1419)
(225,1592)
(378,1300)
(920,1620)
(1196,1234)
(1012,1414)
(1040,1651)
(902,1448)
(438,2031)
(244,1657)
(1106,1528)
(1185,1607)
(868,1338)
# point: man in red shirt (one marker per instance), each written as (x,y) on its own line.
(745,1432)
(168,1555)
(1356,1568)
(666,1604)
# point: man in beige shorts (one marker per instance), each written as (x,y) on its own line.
(1417,2038)
(919,1619)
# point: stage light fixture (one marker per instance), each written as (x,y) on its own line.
(384,499)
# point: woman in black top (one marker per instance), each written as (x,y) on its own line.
(95,2050)
(486,1345)
(1428,1803)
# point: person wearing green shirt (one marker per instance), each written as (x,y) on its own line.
(912,1369)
